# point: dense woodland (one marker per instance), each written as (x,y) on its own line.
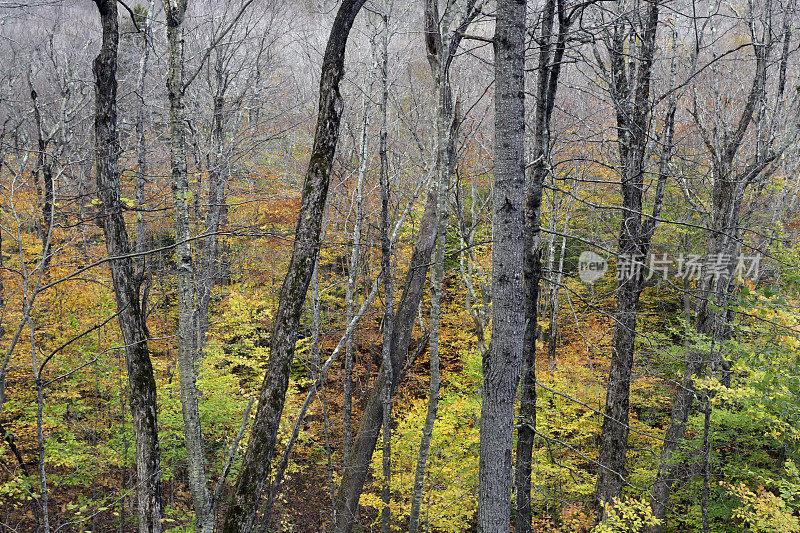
(400,265)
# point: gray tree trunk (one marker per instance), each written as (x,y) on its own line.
(43,493)
(201,498)
(388,285)
(261,446)
(141,382)
(44,165)
(501,364)
(352,274)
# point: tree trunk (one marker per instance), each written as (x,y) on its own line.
(193,434)
(140,245)
(388,286)
(555,291)
(40,438)
(501,364)
(549,69)
(256,465)
(141,139)
(137,357)
(210,257)
(631,72)
(44,164)
(352,273)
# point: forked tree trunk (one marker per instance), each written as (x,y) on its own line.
(501,364)
(141,382)
(261,446)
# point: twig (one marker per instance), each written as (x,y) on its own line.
(232,453)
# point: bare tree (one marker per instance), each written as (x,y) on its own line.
(442,38)
(190,409)
(386,271)
(261,446)
(629,75)
(352,273)
(733,173)
(551,52)
(141,148)
(501,364)
(131,320)
(232,60)
(357,467)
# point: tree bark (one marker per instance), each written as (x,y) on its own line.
(501,364)
(388,285)
(190,409)
(261,446)
(631,72)
(352,273)
(551,53)
(132,323)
